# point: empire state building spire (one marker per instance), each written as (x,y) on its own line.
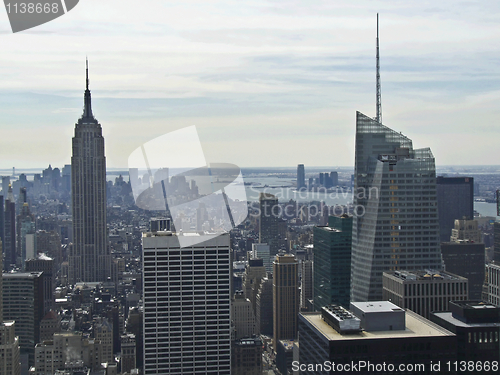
(87,109)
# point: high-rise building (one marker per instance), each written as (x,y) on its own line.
(254,273)
(26,237)
(44,264)
(306,285)
(476,326)
(301,177)
(187,304)
(466,230)
(2,221)
(455,197)
(9,342)
(268,222)
(332,262)
(89,259)
(26,311)
(128,353)
(262,251)
(467,259)
(10,231)
(368,339)
(496,244)
(285,298)
(264,306)
(424,291)
(395,225)
(243,316)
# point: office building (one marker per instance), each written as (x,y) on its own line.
(27,312)
(285,298)
(306,285)
(334,176)
(264,306)
(455,197)
(89,258)
(243,316)
(466,230)
(332,262)
(466,259)
(371,333)
(44,264)
(9,342)
(301,177)
(268,222)
(262,251)
(26,237)
(476,325)
(10,256)
(424,291)
(187,304)
(254,273)
(246,358)
(128,353)
(395,225)
(492,283)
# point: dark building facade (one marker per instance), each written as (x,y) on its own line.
(476,325)
(89,259)
(9,247)
(332,262)
(268,222)
(455,201)
(466,259)
(301,177)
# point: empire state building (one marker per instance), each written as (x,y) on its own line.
(89,258)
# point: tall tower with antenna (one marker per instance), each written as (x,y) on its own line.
(379,94)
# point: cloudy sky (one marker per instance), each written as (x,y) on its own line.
(267,83)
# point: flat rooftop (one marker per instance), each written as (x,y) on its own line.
(376,307)
(448,317)
(420,275)
(416,326)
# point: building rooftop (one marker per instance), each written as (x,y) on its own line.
(416,326)
(448,317)
(376,307)
(425,275)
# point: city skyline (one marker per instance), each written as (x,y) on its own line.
(294,72)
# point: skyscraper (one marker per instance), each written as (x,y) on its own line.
(268,222)
(9,342)
(332,262)
(10,230)
(301,177)
(89,259)
(187,305)
(395,225)
(285,298)
(455,197)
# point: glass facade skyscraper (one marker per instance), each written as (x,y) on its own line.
(395,225)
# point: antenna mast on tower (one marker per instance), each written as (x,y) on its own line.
(379,94)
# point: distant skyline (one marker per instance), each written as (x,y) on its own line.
(269,84)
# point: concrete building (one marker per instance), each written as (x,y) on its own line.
(466,230)
(254,273)
(9,342)
(128,353)
(285,298)
(268,222)
(44,264)
(103,333)
(467,259)
(243,316)
(396,223)
(262,251)
(332,262)
(477,326)
(424,291)
(187,304)
(264,307)
(246,357)
(9,246)
(27,311)
(306,284)
(455,197)
(50,324)
(492,283)
(89,258)
(371,333)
